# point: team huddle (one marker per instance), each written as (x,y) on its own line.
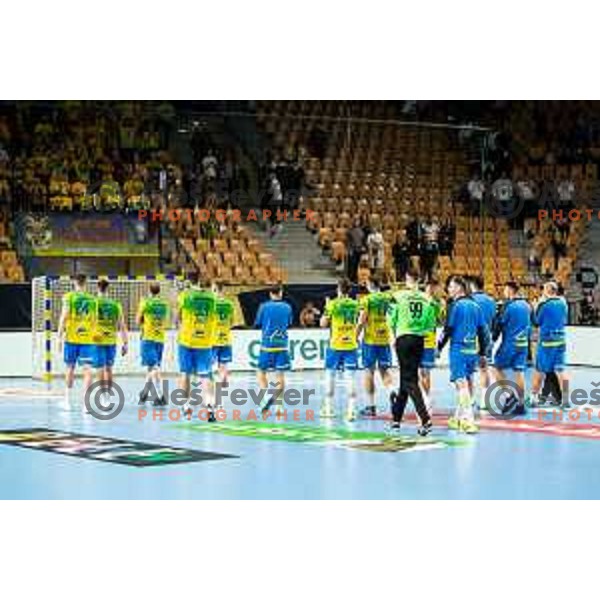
(364,332)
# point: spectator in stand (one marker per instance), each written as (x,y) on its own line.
(275,196)
(526,189)
(563,226)
(502,189)
(363,275)
(534,264)
(110,195)
(429,247)
(401,255)
(295,189)
(209,165)
(476,188)
(355,243)
(309,315)
(447,236)
(376,250)
(559,246)
(413,234)
(566,191)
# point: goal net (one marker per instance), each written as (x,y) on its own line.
(47,298)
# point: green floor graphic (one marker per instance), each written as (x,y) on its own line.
(338,436)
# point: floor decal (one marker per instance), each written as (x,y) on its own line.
(339,437)
(112,450)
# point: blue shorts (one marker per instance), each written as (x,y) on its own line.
(104,356)
(274,361)
(551,359)
(341,360)
(510,357)
(222,355)
(195,361)
(78,354)
(151,353)
(374,356)
(428,358)
(462,365)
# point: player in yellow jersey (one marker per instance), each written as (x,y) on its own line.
(222,354)
(153,319)
(342,317)
(109,325)
(197,325)
(377,337)
(75,331)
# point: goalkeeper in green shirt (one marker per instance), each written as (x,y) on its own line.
(413,317)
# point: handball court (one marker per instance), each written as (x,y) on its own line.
(50,452)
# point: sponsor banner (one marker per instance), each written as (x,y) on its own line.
(307,349)
(324,436)
(80,236)
(113,450)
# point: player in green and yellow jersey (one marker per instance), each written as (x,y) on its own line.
(434,293)
(109,325)
(75,332)
(411,320)
(222,354)
(377,337)
(153,317)
(342,317)
(197,312)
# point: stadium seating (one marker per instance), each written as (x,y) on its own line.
(10,268)
(226,252)
(88,155)
(389,174)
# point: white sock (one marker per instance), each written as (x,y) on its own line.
(465,405)
(371,398)
(329,388)
(482,396)
(350,386)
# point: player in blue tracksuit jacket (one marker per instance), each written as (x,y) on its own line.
(469,339)
(274,318)
(551,318)
(488,308)
(513,328)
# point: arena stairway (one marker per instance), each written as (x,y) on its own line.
(297,251)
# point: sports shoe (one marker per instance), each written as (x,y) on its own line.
(467,426)
(326,411)
(368,411)
(211,415)
(350,414)
(425,429)
(159,401)
(453,423)
(144,397)
(394,427)
(520,410)
(510,404)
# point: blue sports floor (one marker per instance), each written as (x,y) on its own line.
(495,464)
